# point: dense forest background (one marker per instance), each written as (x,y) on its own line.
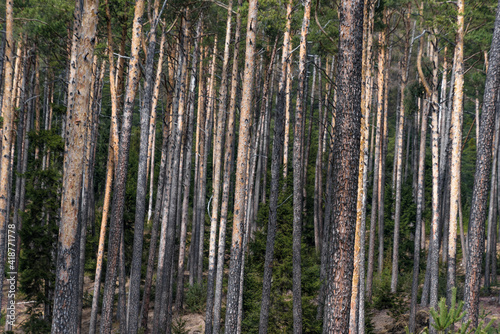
(271,166)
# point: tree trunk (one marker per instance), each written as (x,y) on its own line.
(345,168)
(279,136)
(377,164)
(357,308)
(492,208)
(298,169)
(420,199)
(228,162)
(112,159)
(241,172)
(456,152)
(121,171)
(66,290)
(169,206)
(480,190)
(140,203)
(399,155)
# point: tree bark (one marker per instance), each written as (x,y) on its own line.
(241,172)
(121,171)
(66,290)
(399,153)
(228,162)
(456,151)
(480,189)
(377,165)
(140,203)
(345,168)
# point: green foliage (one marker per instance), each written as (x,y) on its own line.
(446,318)
(195,298)
(36,324)
(280,314)
(39,230)
(179,326)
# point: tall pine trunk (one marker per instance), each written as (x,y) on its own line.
(345,169)
(481,182)
(66,291)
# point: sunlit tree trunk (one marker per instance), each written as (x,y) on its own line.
(241,172)
(456,151)
(399,153)
(228,161)
(376,183)
(121,171)
(66,291)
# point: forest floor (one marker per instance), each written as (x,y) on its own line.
(193,323)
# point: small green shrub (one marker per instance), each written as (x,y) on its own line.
(196,298)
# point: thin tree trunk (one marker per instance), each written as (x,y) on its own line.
(112,159)
(399,156)
(298,169)
(492,208)
(456,151)
(279,136)
(228,158)
(121,171)
(377,165)
(357,297)
(169,206)
(140,203)
(420,200)
(241,169)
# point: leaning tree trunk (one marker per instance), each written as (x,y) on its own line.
(66,290)
(345,169)
(480,190)
(241,172)
(121,172)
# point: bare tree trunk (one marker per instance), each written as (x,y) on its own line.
(456,151)
(345,168)
(399,156)
(377,165)
(358,288)
(279,136)
(66,290)
(480,190)
(121,171)
(420,199)
(241,169)
(140,203)
(228,158)
(492,208)
(169,206)
(298,169)
(112,159)
(187,170)
(217,162)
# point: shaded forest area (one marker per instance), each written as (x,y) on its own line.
(270,166)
